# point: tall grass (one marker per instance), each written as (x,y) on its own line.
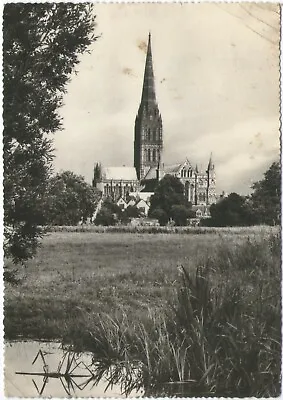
(219,336)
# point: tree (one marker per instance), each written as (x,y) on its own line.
(41,46)
(161,215)
(231,211)
(69,199)
(266,198)
(105,217)
(169,192)
(180,214)
(109,213)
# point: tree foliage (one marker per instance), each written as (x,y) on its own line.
(231,211)
(69,199)
(266,198)
(263,206)
(160,215)
(180,214)
(41,46)
(169,193)
(109,213)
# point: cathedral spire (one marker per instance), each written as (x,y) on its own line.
(210,163)
(148,91)
(148,142)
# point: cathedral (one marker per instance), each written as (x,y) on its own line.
(124,182)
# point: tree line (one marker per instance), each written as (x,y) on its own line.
(263,206)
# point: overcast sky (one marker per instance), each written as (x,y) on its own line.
(217,82)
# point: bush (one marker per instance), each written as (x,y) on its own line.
(180,214)
(160,215)
(105,217)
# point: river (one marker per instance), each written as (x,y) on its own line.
(43,369)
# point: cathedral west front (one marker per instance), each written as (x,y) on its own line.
(149,167)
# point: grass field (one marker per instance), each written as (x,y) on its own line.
(213,326)
(76,275)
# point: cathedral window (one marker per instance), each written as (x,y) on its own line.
(154,135)
(202,197)
(148,134)
(154,155)
(148,155)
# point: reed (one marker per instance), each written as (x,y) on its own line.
(216,337)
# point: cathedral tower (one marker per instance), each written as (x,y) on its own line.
(210,190)
(148,141)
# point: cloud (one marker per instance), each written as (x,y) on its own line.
(217,86)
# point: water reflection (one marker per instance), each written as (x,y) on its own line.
(66,374)
(45,369)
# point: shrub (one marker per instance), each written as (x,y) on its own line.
(180,214)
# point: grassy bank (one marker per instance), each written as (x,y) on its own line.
(124,297)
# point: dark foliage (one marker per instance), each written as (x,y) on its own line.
(180,214)
(262,207)
(169,193)
(266,198)
(41,46)
(160,215)
(109,213)
(231,211)
(69,199)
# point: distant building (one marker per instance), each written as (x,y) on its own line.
(119,182)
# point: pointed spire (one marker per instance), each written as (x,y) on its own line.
(210,163)
(148,91)
(196,169)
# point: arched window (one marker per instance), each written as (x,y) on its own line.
(148,134)
(154,155)
(202,197)
(148,155)
(154,135)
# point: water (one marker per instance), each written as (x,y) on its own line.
(38,379)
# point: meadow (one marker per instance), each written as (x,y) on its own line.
(82,273)
(143,297)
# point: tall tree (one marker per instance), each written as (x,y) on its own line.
(41,46)
(168,193)
(266,198)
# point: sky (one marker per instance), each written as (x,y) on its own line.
(216,72)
